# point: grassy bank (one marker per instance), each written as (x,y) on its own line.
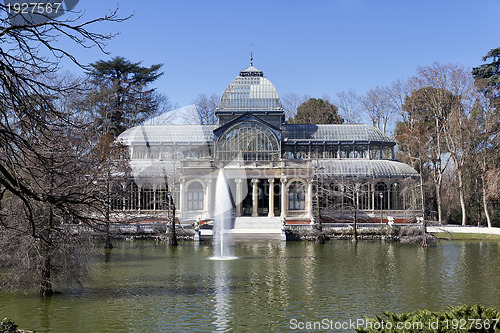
(466,236)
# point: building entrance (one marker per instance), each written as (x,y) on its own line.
(262,199)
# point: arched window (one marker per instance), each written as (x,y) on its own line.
(387,153)
(288,152)
(346,152)
(364,197)
(161,197)
(317,152)
(337,194)
(296,196)
(302,152)
(396,197)
(381,196)
(195,196)
(361,152)
(248,141)
(132,197)
(147,197)
(331,151)
(375,153)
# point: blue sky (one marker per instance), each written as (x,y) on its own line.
(305,47)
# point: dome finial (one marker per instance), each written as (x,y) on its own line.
(251,55)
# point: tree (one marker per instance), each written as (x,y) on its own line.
(121,98)
(317,111)
(205,108)
(487,77)
(45,160)
(376,104)
(290,102)
(349,106)
(427,112)
(336,195)
(487,80)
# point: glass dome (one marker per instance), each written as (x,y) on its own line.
(250,91)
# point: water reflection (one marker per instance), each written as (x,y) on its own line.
(222,296)
(150,287)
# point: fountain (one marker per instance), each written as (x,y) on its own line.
(223,218)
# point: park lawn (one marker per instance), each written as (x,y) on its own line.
(455,236)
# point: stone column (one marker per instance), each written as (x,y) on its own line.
(238,196)
(372,187)
(208,197)
(310,198)
(154,197)
(255,197)
(283,197)
(139,198)
(181,195)
(389,195)
(271,197)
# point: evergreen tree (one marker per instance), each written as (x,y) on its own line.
(121,98)
(317,111)
(487,76)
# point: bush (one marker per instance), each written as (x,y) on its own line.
(466,318)
(8,326)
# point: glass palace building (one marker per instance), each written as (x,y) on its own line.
(295,173)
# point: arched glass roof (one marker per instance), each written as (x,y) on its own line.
(248,141)
(156,134)
(250,91)
(337,133)
(364,168)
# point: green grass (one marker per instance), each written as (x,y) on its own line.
(458,236)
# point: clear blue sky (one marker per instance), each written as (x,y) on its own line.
(306,47)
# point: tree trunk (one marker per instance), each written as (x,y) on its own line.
(462,196)
(46,285)
(173,234)
(485,202)
(108,244)
(438,198)
(355,226)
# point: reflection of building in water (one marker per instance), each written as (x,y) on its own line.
(275,169)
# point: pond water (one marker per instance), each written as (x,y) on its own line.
(145,286)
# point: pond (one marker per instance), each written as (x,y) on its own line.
(146,286)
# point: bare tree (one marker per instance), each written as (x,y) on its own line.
(377,105)
(349,106)
(336,197)
(45,161)
(290,102)
(451,101)
(205,108)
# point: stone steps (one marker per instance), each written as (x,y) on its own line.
(254,228)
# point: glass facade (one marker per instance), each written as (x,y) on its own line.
(248,141)
(353,163)
(296,196)
(195,196)
(250,91)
